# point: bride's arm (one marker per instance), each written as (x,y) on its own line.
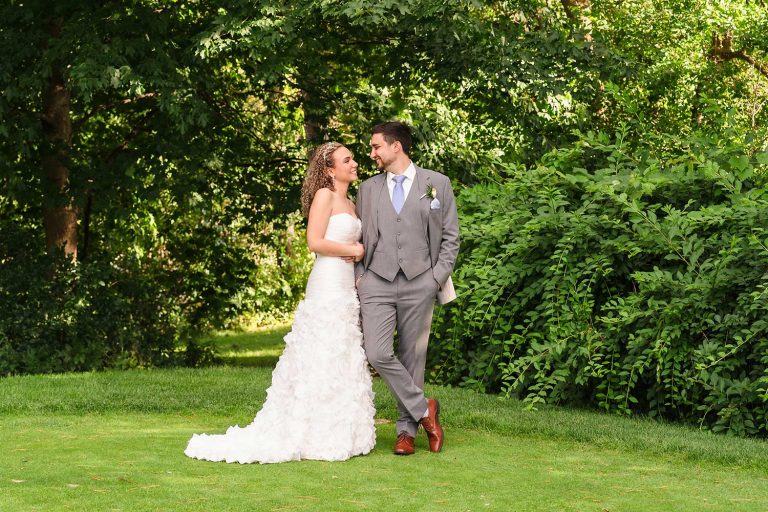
(317,223)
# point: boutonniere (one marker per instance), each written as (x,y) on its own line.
(432,192)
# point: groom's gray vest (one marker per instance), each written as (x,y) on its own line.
(402,240)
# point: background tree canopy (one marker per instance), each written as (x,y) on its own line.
(609,158)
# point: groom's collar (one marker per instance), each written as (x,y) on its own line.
(410,173)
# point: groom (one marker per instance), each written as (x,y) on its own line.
(411,239)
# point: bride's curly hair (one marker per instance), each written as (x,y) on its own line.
(320,161)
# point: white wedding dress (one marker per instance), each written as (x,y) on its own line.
(320,404)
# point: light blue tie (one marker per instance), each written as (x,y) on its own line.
(398,194)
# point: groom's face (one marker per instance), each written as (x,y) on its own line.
(382,152)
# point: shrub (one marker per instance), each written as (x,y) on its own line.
(127,310)
(632,279)
(57,316)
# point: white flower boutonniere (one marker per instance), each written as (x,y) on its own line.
(432,192)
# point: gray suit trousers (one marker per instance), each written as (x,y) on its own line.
(407,306)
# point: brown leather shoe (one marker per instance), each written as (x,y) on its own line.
(431,424)
(405,444)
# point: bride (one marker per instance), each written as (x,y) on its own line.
(320,403)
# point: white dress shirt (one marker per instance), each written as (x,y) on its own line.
(410,176)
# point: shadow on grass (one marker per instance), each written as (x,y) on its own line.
(258,348)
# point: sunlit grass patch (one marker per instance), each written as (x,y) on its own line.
(258,347)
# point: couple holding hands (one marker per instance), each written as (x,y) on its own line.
(381,264)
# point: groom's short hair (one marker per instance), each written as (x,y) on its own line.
(395,131)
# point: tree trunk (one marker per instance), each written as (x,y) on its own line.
(311,120)
(578,12)
(312,107)
(59,211)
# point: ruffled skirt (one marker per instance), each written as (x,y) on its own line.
(320,403)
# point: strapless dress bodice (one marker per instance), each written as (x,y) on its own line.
(331,275)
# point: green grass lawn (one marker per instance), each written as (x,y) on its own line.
(260,347)
(115,441)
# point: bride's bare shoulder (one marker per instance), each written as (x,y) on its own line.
(324,192)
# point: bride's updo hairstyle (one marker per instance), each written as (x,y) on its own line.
(320,161)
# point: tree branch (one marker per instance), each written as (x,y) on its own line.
(141,126)
(722,50)
(567,7)
(113,104)
(273,162)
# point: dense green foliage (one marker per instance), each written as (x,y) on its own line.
(632,279)
(137,311)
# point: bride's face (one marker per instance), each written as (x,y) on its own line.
(344,166)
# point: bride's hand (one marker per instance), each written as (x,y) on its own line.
(359,251)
